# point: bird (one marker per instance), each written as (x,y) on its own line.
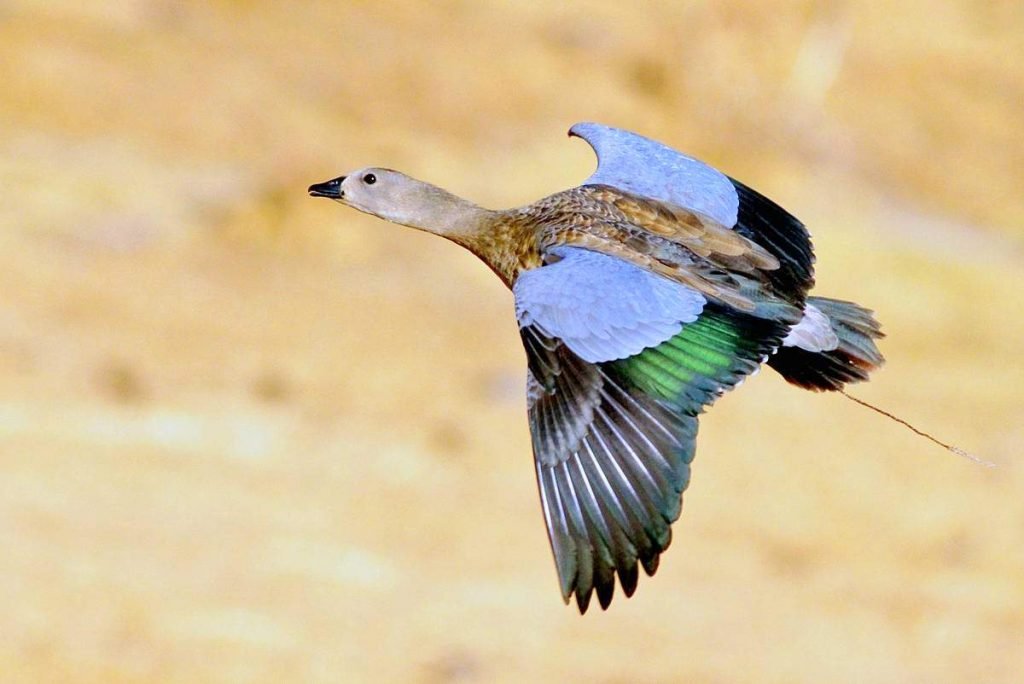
(641,295)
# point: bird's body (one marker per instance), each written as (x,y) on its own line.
(641,295)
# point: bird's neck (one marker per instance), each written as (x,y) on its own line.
(503,243)
(435,210)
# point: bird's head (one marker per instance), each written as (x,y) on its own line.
(391,195)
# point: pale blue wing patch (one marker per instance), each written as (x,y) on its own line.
(648,168)
(601,307)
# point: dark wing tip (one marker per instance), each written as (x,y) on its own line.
(628,577)
(605,592)
(583,599)
(651,563)
(605,589)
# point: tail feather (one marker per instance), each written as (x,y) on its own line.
(852,361)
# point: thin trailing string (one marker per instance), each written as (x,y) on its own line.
(949,447)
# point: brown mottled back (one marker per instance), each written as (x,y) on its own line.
(677,243)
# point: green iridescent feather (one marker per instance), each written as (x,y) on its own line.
(707,357)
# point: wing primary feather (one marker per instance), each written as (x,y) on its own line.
(625,482)
(652,420)
(628,579)
(584,555)
(625,492)
(651,528)
(650,448)
(651,563)
(623,549)
(646,477)
(656,476)
(558,530)
(599,532)
(590,505)
(609,496)
(652,522)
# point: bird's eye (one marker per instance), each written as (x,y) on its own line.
(369,179)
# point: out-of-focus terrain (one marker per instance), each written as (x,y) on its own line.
(250,436)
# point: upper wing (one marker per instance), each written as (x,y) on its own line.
(647,168)
(617,378)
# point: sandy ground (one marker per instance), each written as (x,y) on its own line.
(249,436)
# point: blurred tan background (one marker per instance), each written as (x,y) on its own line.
(250,436)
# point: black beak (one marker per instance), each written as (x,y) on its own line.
(331,188)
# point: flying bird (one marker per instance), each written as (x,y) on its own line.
(642,296)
